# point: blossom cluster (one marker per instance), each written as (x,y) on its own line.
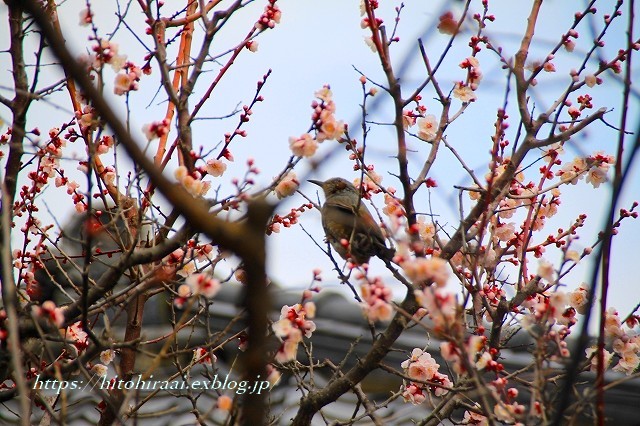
(326,125)
(197,284)
(287,220)
(425,379)
(465,91)
(292,325)
(595,167)
(192,182)
(376,299)
(287,185)
(324,122)
(270,17)
(442,308)
(625,343)
(427,270)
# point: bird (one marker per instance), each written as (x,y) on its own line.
(348,225)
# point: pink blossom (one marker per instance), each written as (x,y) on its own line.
(505,231)
(473,418)
(420,366)
(107,356)
(428,128)
(369,42)
(545,270)
(287,185)
(422,269)
(216,168)
(464,93)
(596,176)
(122,84)
(86,17)
(591,353)
(330,129)
(100,370)
(289,348)
(203,284)
(324,94)
(442,306)
(76,334)
(304,146)
(50,311)
(578,299)
(612,324)
(203,355)
(414,394)
(408,119)
(590,80)
(628,363)
(252,46)
(156,129)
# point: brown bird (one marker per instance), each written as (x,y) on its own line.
(345,218)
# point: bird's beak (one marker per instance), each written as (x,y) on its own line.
(316,182)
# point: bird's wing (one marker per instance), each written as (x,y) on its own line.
(369,225)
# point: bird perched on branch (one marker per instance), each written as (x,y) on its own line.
(348,225)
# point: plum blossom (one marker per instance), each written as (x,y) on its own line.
(156,129)
(106,52)
(326,125)
(421,367)
(596,176)
(427,128)
(545,270)
(192,182)
(474,75)
(464,93)
(591,353)
(330,127)
(414,393)
(441,306)
(447,25)
(77,335)
(252,46)
(508,413)
(86,17)
(409,119)
(573,171)
(203,355)
(473,418)
(215,168)
(370,43)
(578,299)
(287,185)
(50,311)
(376,298)
(505,231)
(303,146)
(613,324)
(426,230)
(203,284)
(127,80)
(629,359)
(422,269)
(270,17)
(290,328)
(107,356)
(100,370)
